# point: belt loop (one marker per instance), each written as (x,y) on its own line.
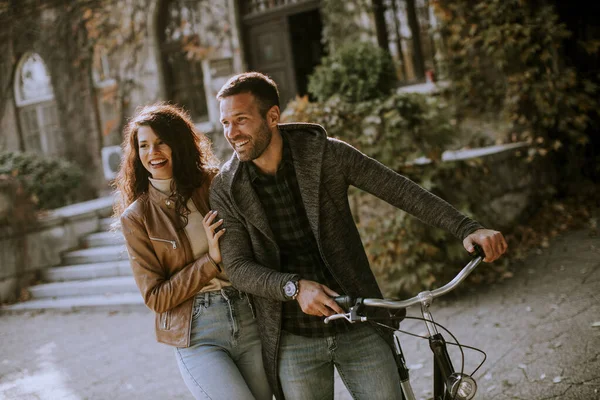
(206,299)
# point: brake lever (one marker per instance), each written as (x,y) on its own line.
(351,316)
(338,316)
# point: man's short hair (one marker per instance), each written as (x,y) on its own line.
(263,88)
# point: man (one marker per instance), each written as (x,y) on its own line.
(291,241)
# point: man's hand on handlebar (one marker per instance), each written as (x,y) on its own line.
(317,299)
(492,243)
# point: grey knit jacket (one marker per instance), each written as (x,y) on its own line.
(325,169)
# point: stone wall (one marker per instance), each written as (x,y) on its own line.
(26,251)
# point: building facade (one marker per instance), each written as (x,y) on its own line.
(71,82)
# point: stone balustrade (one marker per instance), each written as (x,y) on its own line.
(26,251)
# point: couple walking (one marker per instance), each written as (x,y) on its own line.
(240,265)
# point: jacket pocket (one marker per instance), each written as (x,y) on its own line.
(171,242)
(165,320)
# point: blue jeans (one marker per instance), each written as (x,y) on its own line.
(224,359)
(363,359)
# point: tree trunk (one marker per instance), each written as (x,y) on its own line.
(413,24)
(401,58)
(380,25)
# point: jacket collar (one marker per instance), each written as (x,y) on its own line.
(159,198)
(167,204)
(307,144)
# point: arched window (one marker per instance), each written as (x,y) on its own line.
(181,55)
(37,111)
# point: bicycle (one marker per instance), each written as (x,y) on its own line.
(446,381)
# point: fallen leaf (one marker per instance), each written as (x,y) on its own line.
(557,379)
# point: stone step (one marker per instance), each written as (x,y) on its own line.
(87,271)
(95,255)
(105,223)
(99,239)
(99,286)
(109,302)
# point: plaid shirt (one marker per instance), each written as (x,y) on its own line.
(280,197)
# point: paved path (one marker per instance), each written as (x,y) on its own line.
(537,329)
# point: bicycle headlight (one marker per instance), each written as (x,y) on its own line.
(461,386)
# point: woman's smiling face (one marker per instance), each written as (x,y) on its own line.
(155,155)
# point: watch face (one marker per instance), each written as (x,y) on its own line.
(289,289)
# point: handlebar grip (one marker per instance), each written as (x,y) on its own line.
(345,302)
(478,251)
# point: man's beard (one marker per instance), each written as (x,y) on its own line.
(261,140)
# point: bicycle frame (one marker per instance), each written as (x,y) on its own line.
(446,381)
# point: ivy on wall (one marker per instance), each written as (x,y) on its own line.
(506,55)
(344,22)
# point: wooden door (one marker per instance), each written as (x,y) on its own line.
(269,51)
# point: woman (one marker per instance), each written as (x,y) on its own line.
(173,247)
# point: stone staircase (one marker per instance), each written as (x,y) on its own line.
(97,275)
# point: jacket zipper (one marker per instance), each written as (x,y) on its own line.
(165,319)
(173,242)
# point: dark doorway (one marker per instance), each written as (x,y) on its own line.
(283,40)
(307,49)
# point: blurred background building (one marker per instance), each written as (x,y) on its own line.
(73,71)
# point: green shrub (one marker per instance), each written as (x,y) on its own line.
(393,130)
(50,183)
(17,210)
(356,72)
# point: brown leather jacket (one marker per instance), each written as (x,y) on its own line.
(163,263)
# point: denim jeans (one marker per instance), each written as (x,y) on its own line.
(224,359)
(363,359)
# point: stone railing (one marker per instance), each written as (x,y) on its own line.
(509,190)
(24,253)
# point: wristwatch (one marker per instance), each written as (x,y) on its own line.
(291,289)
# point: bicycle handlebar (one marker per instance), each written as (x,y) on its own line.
(425,297)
